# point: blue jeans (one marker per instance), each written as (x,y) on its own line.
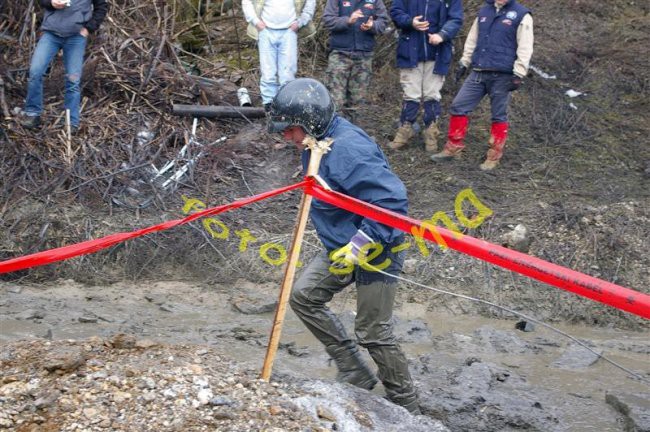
(479,84)
(73,57)
(278,60)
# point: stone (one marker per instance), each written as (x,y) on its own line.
(64,359)
(123,341)
(517,239)
(410,265)
(577,357)
(87,319)
(254,306)
(30,314)
(145,343)
(525,326)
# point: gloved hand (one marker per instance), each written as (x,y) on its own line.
(515,83)
(460,72)
(351,253)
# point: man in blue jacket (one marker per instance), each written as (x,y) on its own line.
(424,51)
(66,26)
(355,166)
(353,25)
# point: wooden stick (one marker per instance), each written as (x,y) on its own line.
(318,149)
(68,136)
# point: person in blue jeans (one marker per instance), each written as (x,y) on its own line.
(66,26)
(277,25)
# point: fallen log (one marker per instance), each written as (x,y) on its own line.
(217,111)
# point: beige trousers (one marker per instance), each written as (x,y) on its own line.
(420,83)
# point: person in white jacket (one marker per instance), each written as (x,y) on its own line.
(276,25)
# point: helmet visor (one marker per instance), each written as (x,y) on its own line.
(277,124)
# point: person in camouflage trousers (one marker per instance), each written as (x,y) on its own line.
(353,25)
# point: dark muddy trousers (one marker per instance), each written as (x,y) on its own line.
(373,324)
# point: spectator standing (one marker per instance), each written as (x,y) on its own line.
(66,26)
(498,49)
(353,25)
(276,25)
(424,51)
(356,166)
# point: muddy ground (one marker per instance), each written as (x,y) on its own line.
(575,174)
(480,374)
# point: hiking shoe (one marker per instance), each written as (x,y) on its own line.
(402,137)
(30,122)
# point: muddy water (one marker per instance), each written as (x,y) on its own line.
(179,312)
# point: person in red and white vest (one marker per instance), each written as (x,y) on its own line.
(498,50)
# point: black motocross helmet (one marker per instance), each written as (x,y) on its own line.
(302,102)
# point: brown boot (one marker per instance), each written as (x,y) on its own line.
(498,136)
(403,136)
(430,136)
(457,129)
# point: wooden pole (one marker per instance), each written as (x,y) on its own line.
(68,136)
(318,149)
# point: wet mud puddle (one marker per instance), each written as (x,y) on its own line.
(473,373)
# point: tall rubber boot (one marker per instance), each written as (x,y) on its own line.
(457,130)
(351,367)
(394,374)
(498,137)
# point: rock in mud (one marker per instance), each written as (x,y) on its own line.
(254,306)
(577,357)
(30,314)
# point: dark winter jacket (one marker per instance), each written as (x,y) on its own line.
(496,47)
(346,37)
(357,167)
(70,20)
(446,19)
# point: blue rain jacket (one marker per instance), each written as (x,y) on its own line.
(357,167)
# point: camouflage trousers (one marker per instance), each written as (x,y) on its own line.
(348,76)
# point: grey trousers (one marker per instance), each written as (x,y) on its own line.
(373,324)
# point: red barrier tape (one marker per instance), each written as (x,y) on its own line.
(561,277)
(90,246)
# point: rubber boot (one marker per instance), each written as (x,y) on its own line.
(498,137)
(404,134)
(394,374)
(455,136)
(430,136)
(351,367)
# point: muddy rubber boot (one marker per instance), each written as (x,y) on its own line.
(498,136)
(455,136)
(403,136)
(430,136)
(394,374)
(352,369)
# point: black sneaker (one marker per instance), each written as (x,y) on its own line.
(30,122)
